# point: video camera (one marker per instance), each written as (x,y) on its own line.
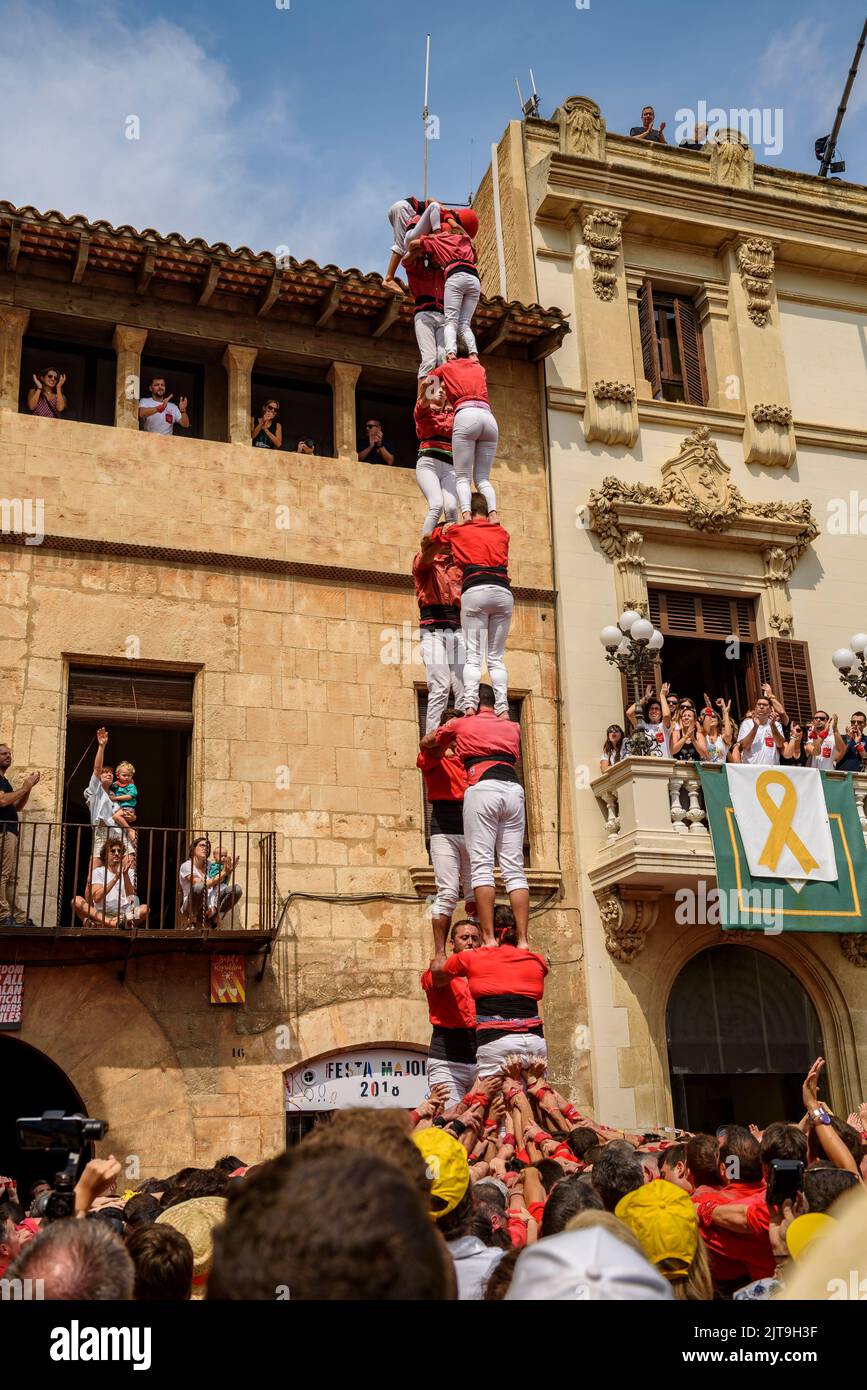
(57,1132)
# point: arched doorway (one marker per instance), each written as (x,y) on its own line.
(742,1033)
(32,1083)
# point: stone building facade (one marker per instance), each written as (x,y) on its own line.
(708,428)
(274,588)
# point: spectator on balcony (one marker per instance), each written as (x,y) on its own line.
(613,748)
(306,446)
(376,450)
(206,893)
(688,743)
(110,900)
(158,413)
(11,802)
(266,431)
(647,130)
(825,744)
(855,756)
(657,720)
(794,752)
(45,396)
(761,737)
(104,812)
(717,729)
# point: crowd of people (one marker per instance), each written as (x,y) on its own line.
(505,1192)
(711,734)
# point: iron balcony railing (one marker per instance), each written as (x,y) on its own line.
(63,878)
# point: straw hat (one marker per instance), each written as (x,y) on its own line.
(196,1220)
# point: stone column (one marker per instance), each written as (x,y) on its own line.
(13,326)
(342,377)
(602,311)
(128,344)
(238,362)
(769,437)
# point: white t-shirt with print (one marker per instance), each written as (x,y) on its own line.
(164,421)
(827,754)
(661,736)
(763,748)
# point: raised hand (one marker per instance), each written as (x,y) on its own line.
(182,404)
(810,1089)
(61,379)
(102,737)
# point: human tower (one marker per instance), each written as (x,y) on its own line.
(471,746)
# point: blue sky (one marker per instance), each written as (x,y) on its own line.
(298,126)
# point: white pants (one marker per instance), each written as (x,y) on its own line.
(491,1056)
(486,616)
(428,222)
(451,866)
(460,297)
(430,336)
(494,830)
(458,1076)
(474,441)
(443,657)
(436,478)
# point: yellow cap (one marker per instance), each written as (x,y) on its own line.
(664,1220)
(447,1167)
(805,1229)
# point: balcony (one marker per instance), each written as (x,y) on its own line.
(654,833)
(237,912)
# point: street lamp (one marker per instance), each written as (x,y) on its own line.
(845,658)
(626,646)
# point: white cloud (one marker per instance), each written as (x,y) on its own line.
(205,164)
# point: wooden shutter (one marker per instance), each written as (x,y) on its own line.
(649,345)
(679,613)
(155,699)
(785,665)
(691,352)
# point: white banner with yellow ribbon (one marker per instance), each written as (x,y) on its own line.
(783,822)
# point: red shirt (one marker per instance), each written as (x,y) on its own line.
(480,733)
(449,249)
(734,1254)
(464,380)
(478,542)
(437,585)
(445,779)
(451,1005)
(426,281)
(434,425)
(500,970)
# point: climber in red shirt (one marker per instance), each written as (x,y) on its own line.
(480,549)
(475,433)
(435,469)
(445,783)
(438,591)
(452,1051)
(446,236)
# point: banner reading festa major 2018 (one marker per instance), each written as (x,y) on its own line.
(789,849)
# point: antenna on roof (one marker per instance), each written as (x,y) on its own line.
(531,107)
(826,145)
(425,113)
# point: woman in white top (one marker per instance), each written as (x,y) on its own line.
(657,720)
(206,895)
(110,900)
(613,749)
(718,730)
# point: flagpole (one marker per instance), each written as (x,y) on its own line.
(425,110)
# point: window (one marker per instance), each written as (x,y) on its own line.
(515,713)
(306,410)
(394,413)
(182,379)
(90,377)
(671,346)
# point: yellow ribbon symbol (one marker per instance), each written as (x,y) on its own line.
(781,815)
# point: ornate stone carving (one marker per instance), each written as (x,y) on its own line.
(582,129)
(854,948)
(614,391)
(630,582)
(772,415)
(756,269)
(603,239)
(698,484)
(627,922)
(732,162)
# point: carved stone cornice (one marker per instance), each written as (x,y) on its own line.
(582,128)
(697,492)
(627,919)
(603,237)
(755,258)
(854,948)
(772,415)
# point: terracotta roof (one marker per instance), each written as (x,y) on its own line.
(297,290)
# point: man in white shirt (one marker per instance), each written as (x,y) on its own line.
(761,736)
(825,744)
(158,413)
(103,811)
